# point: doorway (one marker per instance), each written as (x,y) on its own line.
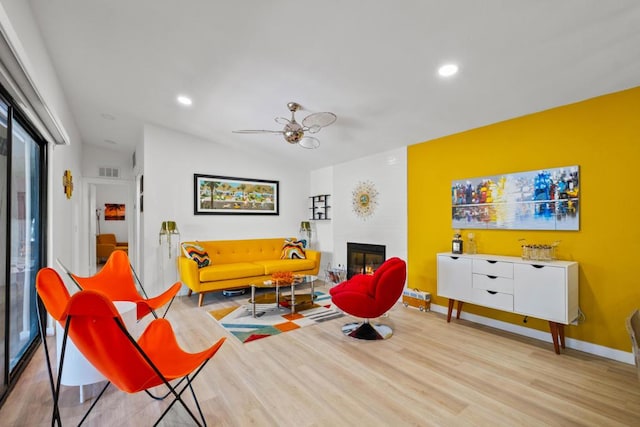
(101,195)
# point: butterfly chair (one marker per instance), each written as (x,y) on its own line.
(92,322)
(52,289)
(117,280)
(370,296)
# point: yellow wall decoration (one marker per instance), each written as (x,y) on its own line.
(602,135)
(67,183)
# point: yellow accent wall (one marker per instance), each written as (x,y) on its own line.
(602,136)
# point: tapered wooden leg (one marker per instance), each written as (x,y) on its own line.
(200,299)
(459,309)
(553,327)
(189,293)
(561,333)
(450,310)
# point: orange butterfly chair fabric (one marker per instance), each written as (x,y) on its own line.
(155,359)
(97,330)
(55,296)
(54,293)
(116,281)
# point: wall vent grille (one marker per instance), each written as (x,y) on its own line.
(109,172)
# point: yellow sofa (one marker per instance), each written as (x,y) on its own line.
(239,263)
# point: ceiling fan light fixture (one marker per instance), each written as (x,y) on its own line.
(294,132)
(309,143)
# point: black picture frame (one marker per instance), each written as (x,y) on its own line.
(224,195)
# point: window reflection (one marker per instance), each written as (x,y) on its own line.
(25,208)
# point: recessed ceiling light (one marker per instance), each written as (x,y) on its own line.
(184,100)
(448,70)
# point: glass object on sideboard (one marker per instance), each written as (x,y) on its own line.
(539,252)
(472,245)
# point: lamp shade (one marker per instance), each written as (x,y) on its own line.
(169,227)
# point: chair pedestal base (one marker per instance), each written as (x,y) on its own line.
(367,331)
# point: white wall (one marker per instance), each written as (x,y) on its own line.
(172,158)
(111,190)
(388,225)
(107,190)
(169,160)
(322,231)
(114,194)
(63,214)
(94,157)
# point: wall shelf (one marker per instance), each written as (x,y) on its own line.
(319,207)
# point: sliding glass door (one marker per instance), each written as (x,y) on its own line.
(4,241)
(21,240)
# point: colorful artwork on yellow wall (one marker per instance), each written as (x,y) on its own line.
(536,200)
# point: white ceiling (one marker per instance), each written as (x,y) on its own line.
(374,64)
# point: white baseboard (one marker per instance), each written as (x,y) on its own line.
(587,347)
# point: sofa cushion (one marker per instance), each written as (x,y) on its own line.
(293,249)
(196,253)
(271,266)
(236,270)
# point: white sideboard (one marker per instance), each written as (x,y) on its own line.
(545,290)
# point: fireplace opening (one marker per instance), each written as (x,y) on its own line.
(364,258)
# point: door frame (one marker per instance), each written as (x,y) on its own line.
(87,260)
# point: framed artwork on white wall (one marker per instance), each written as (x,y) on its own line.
(220,195)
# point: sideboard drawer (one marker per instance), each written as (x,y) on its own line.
(493,268)
(493,283)
(492,299)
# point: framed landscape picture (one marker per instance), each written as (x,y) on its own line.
(223,195)
(114,212)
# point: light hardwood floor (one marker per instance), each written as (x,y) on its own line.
(429,373)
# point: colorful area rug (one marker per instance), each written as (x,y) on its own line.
(270,321)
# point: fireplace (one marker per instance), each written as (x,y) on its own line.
(363,258)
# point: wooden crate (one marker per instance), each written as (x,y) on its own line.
(416,298)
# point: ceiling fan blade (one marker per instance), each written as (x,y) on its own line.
(313,129)
(309,142)
(319,119)
(282,120)
(256,131)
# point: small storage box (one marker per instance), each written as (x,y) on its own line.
(418,299)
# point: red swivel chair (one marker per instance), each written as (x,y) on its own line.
(370,296)
(117,281)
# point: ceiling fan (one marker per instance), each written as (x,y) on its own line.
(294,132)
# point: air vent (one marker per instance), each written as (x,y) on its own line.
(109,172)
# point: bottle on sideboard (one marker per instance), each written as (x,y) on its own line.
(456,243)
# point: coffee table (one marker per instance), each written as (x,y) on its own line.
(277,285)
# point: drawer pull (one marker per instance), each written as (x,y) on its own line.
(537,266)
(492,277)
(492,292)
(454,257)
(490,261)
